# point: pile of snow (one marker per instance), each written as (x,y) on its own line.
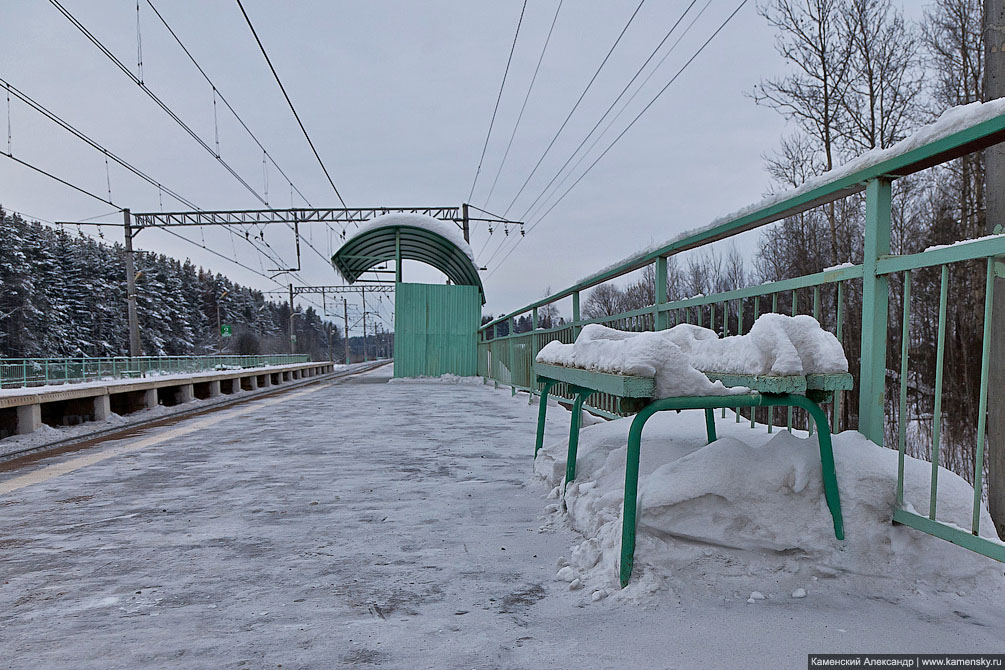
(776,345)
(951,121)
(442,228)
(747,514)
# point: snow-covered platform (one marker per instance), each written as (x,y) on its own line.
(401,525)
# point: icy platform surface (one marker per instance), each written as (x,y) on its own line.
(367,524)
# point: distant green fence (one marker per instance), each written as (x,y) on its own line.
(508,359)
(21,372)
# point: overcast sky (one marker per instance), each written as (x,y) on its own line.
(397,97)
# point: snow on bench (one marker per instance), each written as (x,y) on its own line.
(783,361)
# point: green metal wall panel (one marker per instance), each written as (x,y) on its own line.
(435,330)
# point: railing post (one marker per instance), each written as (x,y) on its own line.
(875,303)
(533,347)
(512,356)
(576,328)
(662,318)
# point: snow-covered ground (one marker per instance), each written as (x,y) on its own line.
(366,524)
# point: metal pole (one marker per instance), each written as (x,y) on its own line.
(362,292)
(994,59)
(219,328)
(662,319)
(345,314)
(465,227)
(397,255)
(875,302)
(292,336)
(135,348)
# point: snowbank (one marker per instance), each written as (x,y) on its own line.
(776,345)
(441,228)
(747,513)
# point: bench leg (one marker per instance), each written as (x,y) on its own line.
(710,425)
(631,495)
(577,413)
(826,461)
(542,414)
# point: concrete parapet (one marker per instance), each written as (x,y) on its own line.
(71,404)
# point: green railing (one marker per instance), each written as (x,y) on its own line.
(21,372)
(508,359)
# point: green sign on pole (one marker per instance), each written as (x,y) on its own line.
(225,330)
(293,338)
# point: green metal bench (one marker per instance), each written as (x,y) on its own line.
(635,396)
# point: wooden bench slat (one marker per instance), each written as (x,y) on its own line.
(839,381)
(762,383)
(624,386)
(630,386)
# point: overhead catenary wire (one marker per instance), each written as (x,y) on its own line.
(153,96)
(9,149)
(118,209)
(290,103)
(139,44)
(495,109)
(218,94)
(628,127)
(62,123)
(572,111)
(614,103)
(523,107)
(545,202)
(58,179)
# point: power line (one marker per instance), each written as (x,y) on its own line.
(38,107)
(218,94)
(629,126)
(235,262)
(62,123)
(97,197)
(575,106)
(55,178)
(614,103)
(160,103)
(524,106)
(625,106)
(290,103)
(495,110)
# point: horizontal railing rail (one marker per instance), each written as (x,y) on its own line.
(508,359)
(25,372)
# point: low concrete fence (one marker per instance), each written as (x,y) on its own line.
(25,410)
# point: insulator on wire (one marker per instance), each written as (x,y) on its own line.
(506,230)
(523,233)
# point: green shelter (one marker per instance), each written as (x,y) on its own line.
(435,325)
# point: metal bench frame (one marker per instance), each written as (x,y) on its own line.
(635,396)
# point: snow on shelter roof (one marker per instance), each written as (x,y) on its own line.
(419,237)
